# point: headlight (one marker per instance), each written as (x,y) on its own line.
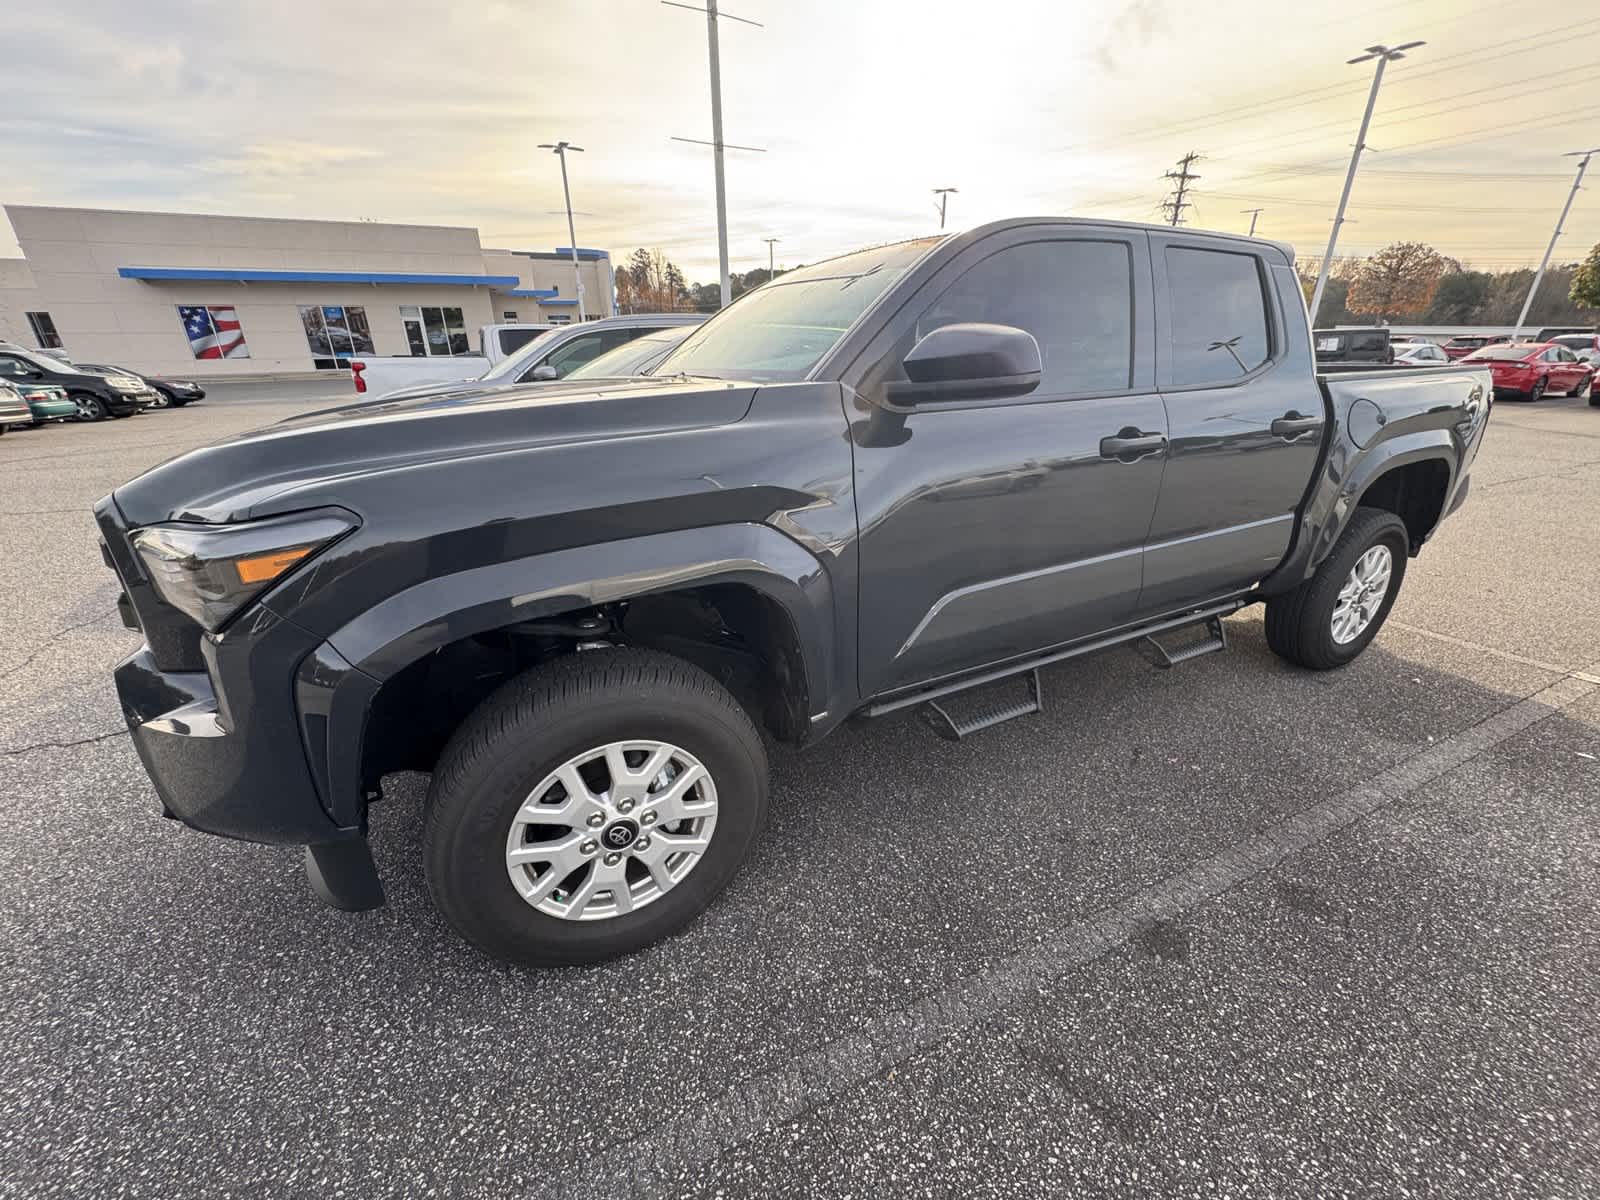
(211,571)
(123,384)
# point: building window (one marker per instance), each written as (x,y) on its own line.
(559,319)
(508,316)
(335,332)
(213,331)
(44,331)
(434,332)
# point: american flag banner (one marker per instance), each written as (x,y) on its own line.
(213,331)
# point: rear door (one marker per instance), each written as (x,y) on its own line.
(1244,412)
(990,528)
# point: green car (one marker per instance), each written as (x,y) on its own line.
(47,402)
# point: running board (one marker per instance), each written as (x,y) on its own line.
(933,692)
(1164,659)
(954,728)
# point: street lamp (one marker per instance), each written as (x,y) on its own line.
(559,149)
(1384,55)
(944,195)
(770,242)
(1583,157)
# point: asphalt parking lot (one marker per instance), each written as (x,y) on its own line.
(1232,930)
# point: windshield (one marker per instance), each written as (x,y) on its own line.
(781,330)
(1506,353)
(636,358)
(530,353)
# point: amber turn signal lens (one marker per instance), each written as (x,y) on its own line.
(263,568)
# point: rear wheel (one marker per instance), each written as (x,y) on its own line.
(592,806)
(90,406)
(1536,392)
(1334,615)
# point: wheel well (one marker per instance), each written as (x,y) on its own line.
(741,637)
(1415,493)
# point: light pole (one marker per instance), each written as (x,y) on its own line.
(944,195)
(559,149)
(770,242)
(1254,213)
(717,143)
(1583,157)
(1384,55)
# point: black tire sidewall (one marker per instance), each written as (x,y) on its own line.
(1367,532)
(1537,392)
(466,837)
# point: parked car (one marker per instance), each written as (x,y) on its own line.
(1354,345)
(1530,370)
(554,354)
(575,603)
(14,408)
(496,343)
(48,403)
(94,394)
(1467,343)
(1585,345)
(1420,354)
(638,357)
(1552,333)
(146,395)
(173,393)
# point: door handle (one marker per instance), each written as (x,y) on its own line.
(1131,444)
(1291,425)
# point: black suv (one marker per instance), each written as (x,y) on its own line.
(97,396)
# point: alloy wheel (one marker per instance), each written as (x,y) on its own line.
(611,830)
(1362,594)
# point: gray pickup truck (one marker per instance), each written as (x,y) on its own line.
(906,478)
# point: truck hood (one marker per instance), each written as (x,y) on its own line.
(278,468)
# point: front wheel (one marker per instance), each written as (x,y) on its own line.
(592,806)
(1584,388)
(1334,615)
(90,407)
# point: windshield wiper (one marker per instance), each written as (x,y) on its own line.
(863,275)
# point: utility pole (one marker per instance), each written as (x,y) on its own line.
(717,145)
(1254,213)
(770,243)
(1583,157)
(1184,177)
(1385,56)
(944,195)
(560,150)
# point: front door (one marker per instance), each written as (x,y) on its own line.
(1246,417)
(993,528)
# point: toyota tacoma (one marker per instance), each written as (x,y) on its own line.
(907,478)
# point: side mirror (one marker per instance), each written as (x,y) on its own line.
(970,361)
(544,371)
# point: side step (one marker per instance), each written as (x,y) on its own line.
(954,728)
(1163,658)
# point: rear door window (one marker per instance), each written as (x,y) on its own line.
(1218,329)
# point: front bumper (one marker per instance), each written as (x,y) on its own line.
(236,742)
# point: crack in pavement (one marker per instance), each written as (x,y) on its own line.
(84,741)
(50,641)
(657,1162)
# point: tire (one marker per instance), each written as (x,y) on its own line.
(1536,393)
(90,406)
(500,757)
(1300,623)
(1584,388)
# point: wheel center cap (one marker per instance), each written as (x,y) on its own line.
(620,835)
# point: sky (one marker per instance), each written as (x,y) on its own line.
(432,113)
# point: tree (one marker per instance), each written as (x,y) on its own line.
(650,282)
(1585,289)
(1460,298)
(1398,280)
(1332,311)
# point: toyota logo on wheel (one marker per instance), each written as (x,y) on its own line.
(621,835)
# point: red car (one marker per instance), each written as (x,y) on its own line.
(1468,343)
(1531,369)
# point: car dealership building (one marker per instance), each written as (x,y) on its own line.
(213,297)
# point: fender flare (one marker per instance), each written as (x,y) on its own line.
(1333,501)
(336,684)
